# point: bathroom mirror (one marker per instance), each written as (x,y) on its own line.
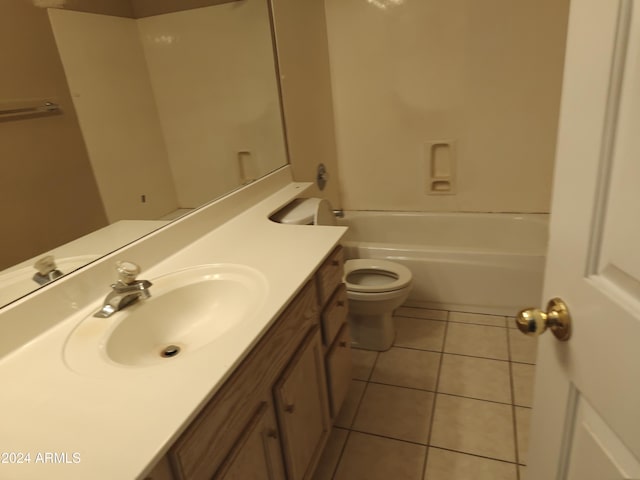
(174,104)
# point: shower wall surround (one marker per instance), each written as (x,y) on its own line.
(482,76)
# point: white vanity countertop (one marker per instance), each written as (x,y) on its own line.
(112,423)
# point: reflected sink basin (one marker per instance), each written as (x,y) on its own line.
(18,282)
(188,310)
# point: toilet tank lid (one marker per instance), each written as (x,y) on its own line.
(305,211)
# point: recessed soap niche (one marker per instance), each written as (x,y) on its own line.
(440,163)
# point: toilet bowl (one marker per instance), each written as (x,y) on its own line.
(375,288)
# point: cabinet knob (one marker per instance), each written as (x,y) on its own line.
(290,408)
(271,433)
(343,343)
(340,303)
(335,263)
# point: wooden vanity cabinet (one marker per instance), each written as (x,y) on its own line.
(212,436)
(272,417)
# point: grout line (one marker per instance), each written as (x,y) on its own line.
(339,459)
(435,399)
(513,408)
(478,324)
(476,455)
(399,315)
(476,356)
(461,354)
(388,437)
(406,387)
(474,398)
(419,444)
(435,391)
(416,348)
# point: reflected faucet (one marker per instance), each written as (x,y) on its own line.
(46,270)
(125,291)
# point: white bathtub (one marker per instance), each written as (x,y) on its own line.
(469,262)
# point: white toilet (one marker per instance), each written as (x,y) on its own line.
(375,288)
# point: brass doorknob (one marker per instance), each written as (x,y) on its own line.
(533,321)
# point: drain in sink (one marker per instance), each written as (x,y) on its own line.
(170,351)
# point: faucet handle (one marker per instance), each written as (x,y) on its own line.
(127,271)
(45,265)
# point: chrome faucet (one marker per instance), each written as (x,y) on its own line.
(125,291)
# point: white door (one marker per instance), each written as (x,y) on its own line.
(586,411)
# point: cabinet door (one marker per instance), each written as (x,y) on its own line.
(302,407)
(257,454)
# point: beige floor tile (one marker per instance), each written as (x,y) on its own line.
(421,313)
(475,377)
(477,318)
(350,405)
(523,419)
(523,472)
(396,412)
(406,367)
(367,457)
(477,341)
(523,380)
(419,333)
(363,361)
(446,465)
(474,426)
(522,347)
(331,454)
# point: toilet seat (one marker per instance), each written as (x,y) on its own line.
(370,275)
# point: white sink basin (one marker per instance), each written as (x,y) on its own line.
(188,310)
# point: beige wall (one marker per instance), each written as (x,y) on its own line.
(48,193)
(484,77)
(303,58)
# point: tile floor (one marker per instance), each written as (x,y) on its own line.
(451,400)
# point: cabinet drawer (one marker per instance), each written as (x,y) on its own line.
(330,275)
(339,370)
(334,315)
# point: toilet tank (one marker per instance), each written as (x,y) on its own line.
(306,211)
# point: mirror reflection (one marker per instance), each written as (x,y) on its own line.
(159,112)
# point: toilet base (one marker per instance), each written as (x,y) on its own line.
(372,332)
